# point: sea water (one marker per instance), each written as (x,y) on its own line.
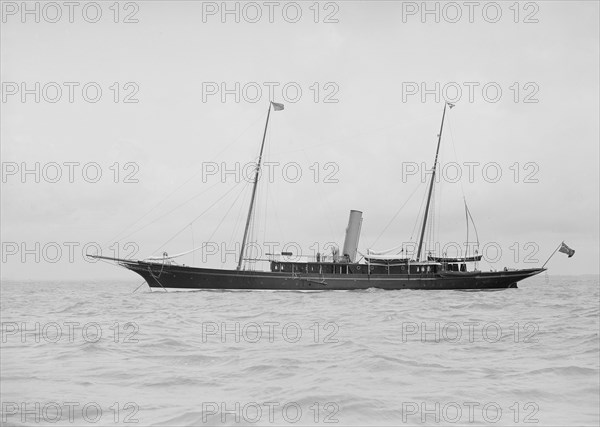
(100,354)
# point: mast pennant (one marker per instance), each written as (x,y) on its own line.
(277,106)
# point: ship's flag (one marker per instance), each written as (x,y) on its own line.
(566,250)
(277,106)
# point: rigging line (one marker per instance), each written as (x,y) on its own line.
(462,189)
(270,202)
(277,186)
(456,157)
(141,284)
(111,262)
(264,202)
(460,181)
(237,222)
(250,237)
(157,277)
(246,262)
(430,221)
(193,244)
(270,195)
(203,212)
(435,216)
(256,214)
(432,217)
(435,235)
(277,221)
(474,227)
(417,222)
(417,226)
(467,211)
(395,215)
(254,224)
(188,180)
(228,210)
(467,221)
(267,213)
(327,208)
(438,204)
(171,211)
(265,194)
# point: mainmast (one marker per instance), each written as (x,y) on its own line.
(432,181)
(276,107)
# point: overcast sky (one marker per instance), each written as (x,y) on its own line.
(361,120)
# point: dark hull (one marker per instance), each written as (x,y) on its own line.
(165,276)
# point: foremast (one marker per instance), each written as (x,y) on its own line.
(275,106)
